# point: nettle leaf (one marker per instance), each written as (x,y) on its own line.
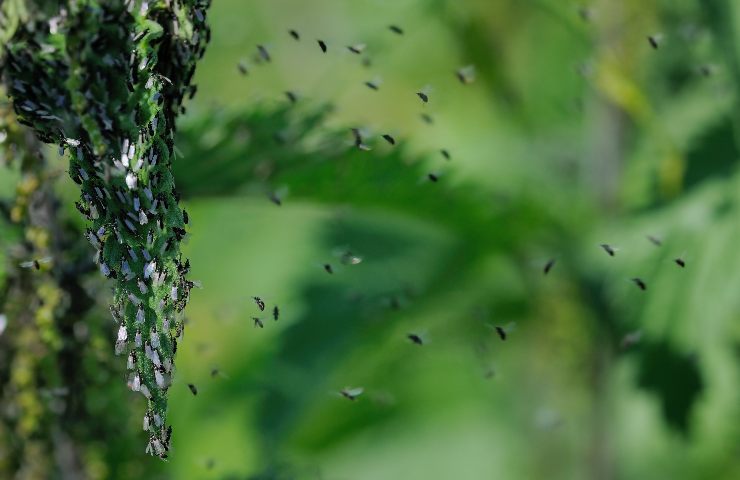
(105,81)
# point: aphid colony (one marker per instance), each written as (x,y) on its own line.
(115,117)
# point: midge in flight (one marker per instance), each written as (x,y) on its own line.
(548,266)
(351,393)
(260,303)
(322,45)
(35,263)
(608,249)
(640,283)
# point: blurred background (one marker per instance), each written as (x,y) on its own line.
(581,124)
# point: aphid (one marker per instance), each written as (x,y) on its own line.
(608,249)
(548,266)
(264,54)
(322,45)
(424,97)
(415,338)
(328,268)
(466,74)
(433,177)
(395,29)
(445,153)
(193,389)
(640,283)
(275,313)
(501,332)
(351,393)
(291,96)
(680,262)
(655,240)
(258,322)
(260,303)
(35,263)
(655,40)
(357,49)
(389,139)
(294,34)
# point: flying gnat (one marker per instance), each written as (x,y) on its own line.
(358,140)
(585,13)
(275,313)
(296,36)
(357,49)
(445,153)
(322,45)
(503,331)
(348,258)
(388,138)
(608,249)
(263,53)
(466,75)
(548,266)
(328,268)
(242,67)
(655,40)
(680,262)
(640,283)
(655,240)
(351,393)
(258,322)
(395,29)
(260,303)
(427,118)
(373,85)
(275,198)
(35,263)
(193,389)
(433,177)
(424,97)
(415,338)
(292,97)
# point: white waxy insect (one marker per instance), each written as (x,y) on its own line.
(122,333)
(129,225)
(132,254)
(124,160)
(142,287)
(140,316)
(149,269)
(167,364)
(104,270)
(154,338)
(143,219)
(136,383)
(166,324)
(83,174)
(3,323)
(146,422)
(137,339)
(159,378)
(131,181)
(137,204)
(146,255)
(72,142)
(145,391)
(94,212)
(148,193)
(155,359)
(125,268)
(173,293)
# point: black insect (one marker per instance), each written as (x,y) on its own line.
(466,75)
(214,372)
(445,153)
(258,322)
(264,54)
(185,217)
(389,139)
(322,45)
(427,118)
(416,339)
(433,177)
(294,34)
(654,40)
(193,389)
(548,266)
(395,29)
(680,262)
(608,249)
(424,97)
(358,140)
(274,198)
(242,67)
(357,49)
(501,332)
(372,85)
(35,263)
(328,268)
(260,303)
(291,96)
(275,313)
(655,240)
(640,283)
